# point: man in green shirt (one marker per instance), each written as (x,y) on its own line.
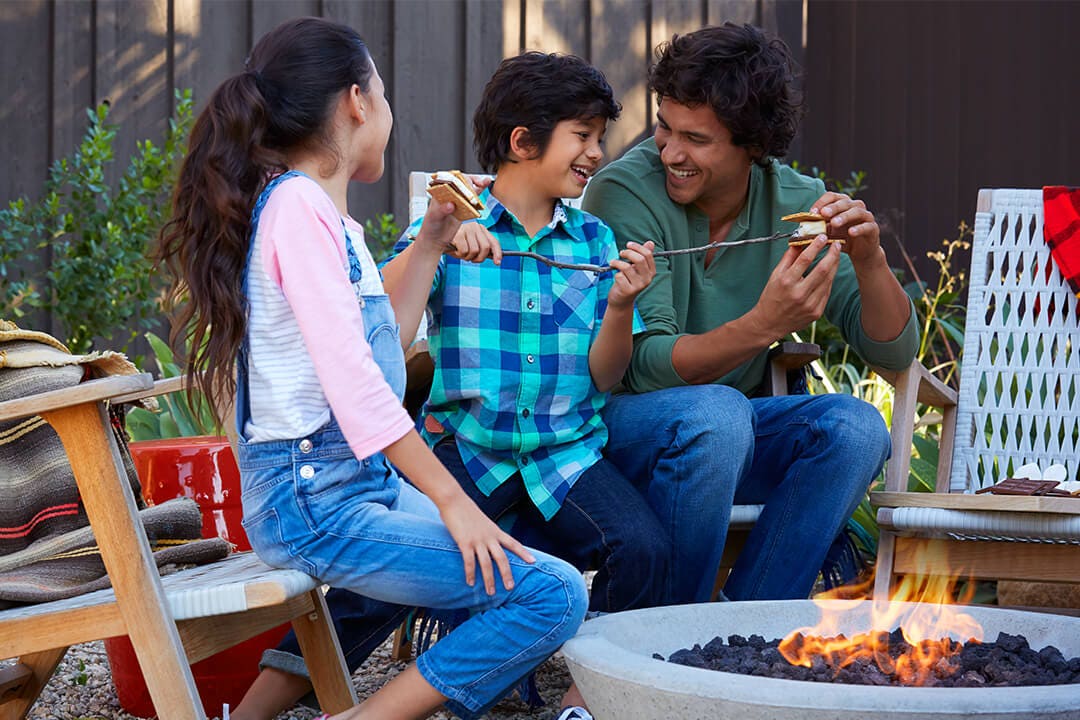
(692,427)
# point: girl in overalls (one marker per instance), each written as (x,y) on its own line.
(274,284)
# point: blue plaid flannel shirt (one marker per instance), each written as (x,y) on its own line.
(511,350)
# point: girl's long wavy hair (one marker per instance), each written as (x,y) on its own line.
(284,100)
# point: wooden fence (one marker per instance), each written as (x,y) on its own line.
(932,99)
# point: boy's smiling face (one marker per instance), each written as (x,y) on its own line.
(572,156)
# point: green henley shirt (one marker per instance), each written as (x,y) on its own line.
(688,298)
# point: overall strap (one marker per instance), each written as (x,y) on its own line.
(243,402)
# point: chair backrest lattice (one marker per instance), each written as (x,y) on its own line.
(1019,397)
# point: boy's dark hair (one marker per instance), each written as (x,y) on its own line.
(744,76)
(537,91)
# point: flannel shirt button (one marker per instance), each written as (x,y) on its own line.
(525,413)
(529,359)
(307,472)
(530,304)
(524,461)
(305,446)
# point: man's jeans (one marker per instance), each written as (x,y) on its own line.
(696,450)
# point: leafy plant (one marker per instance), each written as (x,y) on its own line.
(380,234)
(99,282)
(852,185)
(941,315)
(176,417)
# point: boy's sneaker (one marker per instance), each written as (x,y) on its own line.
(574,713)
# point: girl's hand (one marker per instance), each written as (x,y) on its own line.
(481,542)
(473,242)
(636,269)
(438,229)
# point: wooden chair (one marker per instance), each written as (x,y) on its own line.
(172,621)
(1018,403)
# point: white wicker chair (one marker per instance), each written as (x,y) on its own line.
(1018,403)
(172,621)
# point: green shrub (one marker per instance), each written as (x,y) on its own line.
(380,234)
(99,283)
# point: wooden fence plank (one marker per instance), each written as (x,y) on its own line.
(24,116)
(132,73)
(428,72)
(736,11)
(621,51)
(268,14)
(374,20)
(669,18)
(210,42)
(557,26)
(484,45)
(72,83)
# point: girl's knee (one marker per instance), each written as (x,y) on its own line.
(560,593)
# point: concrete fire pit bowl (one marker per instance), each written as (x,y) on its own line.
(611,660)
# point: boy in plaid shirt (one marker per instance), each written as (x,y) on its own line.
(525,353)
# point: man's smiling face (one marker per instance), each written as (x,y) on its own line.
(700,160)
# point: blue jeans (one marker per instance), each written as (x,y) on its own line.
(696,450)
(355,525)
(604,524)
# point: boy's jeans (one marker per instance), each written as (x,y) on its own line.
(696,450)
(604,524)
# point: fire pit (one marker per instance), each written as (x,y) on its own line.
(611,660)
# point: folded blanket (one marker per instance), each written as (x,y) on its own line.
(1061,229)
(47,550)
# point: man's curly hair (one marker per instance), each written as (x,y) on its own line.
(744,76)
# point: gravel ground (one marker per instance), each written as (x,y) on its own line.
(82,689)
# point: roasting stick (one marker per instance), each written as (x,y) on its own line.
(661,253)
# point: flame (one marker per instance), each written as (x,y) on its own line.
(930,627)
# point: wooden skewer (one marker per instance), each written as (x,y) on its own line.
(662,253)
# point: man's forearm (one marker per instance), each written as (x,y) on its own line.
(885,305)
(704,358)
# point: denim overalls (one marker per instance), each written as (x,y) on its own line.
(311,505)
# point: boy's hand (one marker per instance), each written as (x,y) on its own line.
(474,243)
(481,543)
(636,269)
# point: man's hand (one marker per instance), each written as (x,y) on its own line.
(636,270)
(793,298)
(849,220)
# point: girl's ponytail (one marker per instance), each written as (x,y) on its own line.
(204,246)
(283,100)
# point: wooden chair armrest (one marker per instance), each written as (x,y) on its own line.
(91,391)
(784,358)
(931,391)
(915,384)
(793,355)
(163,386)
